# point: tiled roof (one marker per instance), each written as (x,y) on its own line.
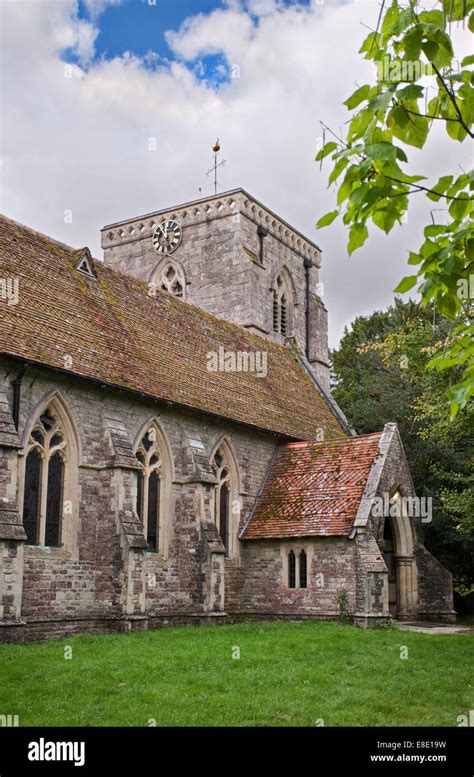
(314,489)
(109,329)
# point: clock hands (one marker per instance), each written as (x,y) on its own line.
(167,237)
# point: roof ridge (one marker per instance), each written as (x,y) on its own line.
(341,441)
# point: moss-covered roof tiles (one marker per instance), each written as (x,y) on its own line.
(314,489)
(109,329)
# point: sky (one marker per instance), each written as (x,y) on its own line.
(110,109)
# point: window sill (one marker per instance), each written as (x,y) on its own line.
(47,550)
(155,555)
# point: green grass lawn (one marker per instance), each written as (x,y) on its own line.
(291,674)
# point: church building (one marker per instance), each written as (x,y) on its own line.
(170,452)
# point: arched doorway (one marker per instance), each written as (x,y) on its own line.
(399,557)
(390,563)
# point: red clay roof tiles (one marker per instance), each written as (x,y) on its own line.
(314,489)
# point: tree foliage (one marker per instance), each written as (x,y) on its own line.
(420,84)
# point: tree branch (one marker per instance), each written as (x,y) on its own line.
(453,100)
(425,115)
(423,189)
(377,28)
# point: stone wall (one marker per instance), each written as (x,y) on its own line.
(265,590)
(103,578)
(435,588)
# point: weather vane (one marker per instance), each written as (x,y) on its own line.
(216,148)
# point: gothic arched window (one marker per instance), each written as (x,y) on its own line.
(297,568)
(223,496)
(303,569)
(291,569)
(149,488)
(170,278)
(281,305)
(46,460)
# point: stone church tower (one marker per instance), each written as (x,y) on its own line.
(236,259)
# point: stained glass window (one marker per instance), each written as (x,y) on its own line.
(31,501)
(149,488)
(54,500)
(224,514)
(43,498)
(303,570)
(291,570)
(222,496)
(153,510)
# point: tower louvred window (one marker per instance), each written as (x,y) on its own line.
(281,305)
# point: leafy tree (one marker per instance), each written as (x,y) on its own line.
(413,51)
(379,375)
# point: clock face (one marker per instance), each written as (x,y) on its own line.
(167,237)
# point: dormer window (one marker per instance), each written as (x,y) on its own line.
(86,263)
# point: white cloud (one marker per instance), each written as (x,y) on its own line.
(96,7)
(81,142)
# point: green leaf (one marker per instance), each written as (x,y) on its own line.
(411,42)
(459,208)
(408,127)
(401,154)
(414,258)
(468,61)
(327,219)
(440,188)
(357,237)
(358,194)
(385,217)
(337,170)
(437,46)
(390,17)
(380,102)
(432,18)
(428,249)
(370,46)
(404,20)
(459,396)
(359,124)
(382,151)
(410,92)
(357,97)
(326,149)
(344,190)
(433,230)
(406,284)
